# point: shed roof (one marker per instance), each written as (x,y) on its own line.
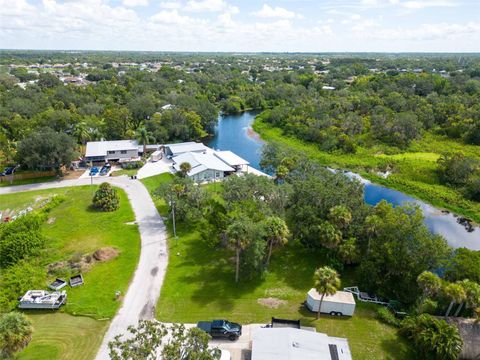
(100,148)
(296,344)
(184,147)
(339,297)
(230,158)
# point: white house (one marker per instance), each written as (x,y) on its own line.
(231,159)
(297,344)
(98,151)
(204,166)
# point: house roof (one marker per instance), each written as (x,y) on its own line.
(230,158)
(200,162)
(344,297)
(100,148)
(297,344)
(184,147)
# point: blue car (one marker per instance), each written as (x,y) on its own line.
(105,169)
(93,171)
(7,171)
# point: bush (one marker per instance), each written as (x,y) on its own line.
(20,238)
(17,279)
(386,316)
(15,333)
(433,338)
(106,198)
(132,165)
(428,306)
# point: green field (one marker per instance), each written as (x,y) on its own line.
(75,229)
(199,285)
(63,337)
(414,170)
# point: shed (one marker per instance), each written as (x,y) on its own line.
(340,303)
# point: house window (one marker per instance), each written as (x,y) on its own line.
(123,151)
(110,152)
(217,174)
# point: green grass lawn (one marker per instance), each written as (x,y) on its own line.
(63,337)
(77,229)
(128,172)
(6,182)
(414,169)
(199,285)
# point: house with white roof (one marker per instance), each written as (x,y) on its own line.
(231,159)
(204,166)
(297,344)
(100,151)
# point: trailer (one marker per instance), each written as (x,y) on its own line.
(41,299)
(365,297)
(156,156)
(341,303)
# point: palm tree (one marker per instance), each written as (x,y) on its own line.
(326,283)
(144,137)
(276,233)
(372,226)
(429,283)
(456,293)
(185,167)
(340,216)
(238,236)
(329,236)
(15,333)
(472,295)
(348,251)
(281,173)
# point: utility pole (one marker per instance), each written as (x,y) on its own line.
(172,204)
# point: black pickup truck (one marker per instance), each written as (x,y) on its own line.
(221,329)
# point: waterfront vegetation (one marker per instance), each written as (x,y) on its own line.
(73,230)
(414,169)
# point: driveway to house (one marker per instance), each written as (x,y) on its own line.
(144,290)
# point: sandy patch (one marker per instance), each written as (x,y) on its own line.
(105,254)
(272,303)
(51,220)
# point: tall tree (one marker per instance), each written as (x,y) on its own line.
(185,167)
(238,235)
(144,137)
(326,282)
(276,233)
(15,333)
(456,294)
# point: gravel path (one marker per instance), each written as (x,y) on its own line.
(144,290)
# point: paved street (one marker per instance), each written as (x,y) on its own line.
(144,290)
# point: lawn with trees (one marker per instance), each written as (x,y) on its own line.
(63,249)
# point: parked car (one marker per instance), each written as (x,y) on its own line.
(221,329)
(105,169)
(93,171)
(7,171)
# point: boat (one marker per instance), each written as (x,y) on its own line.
(41,299)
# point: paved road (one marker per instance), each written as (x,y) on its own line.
(144,290)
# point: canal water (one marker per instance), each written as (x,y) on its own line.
(234,132)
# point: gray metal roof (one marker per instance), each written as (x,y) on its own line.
(184,147)
(230,158)
(200,162)
(100,148)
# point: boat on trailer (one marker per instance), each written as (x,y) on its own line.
(41,299)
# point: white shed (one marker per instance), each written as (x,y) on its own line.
(340,303)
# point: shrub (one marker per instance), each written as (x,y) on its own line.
(17,279)
(433,338)
(428,306)
(132,165)
(386,316)
(106,198)
(20,238)
(15,333)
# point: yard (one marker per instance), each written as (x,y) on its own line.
(199,285)
(74,230)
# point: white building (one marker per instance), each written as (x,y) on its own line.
(99,151)
(204,166)
(297,344)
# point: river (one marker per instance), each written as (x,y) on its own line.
(234,133)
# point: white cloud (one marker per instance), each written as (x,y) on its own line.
(170,5)
(134,3)
(171,17)
(275,12)
(211,6)
(426,4)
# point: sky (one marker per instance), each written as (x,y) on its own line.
(242,26)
